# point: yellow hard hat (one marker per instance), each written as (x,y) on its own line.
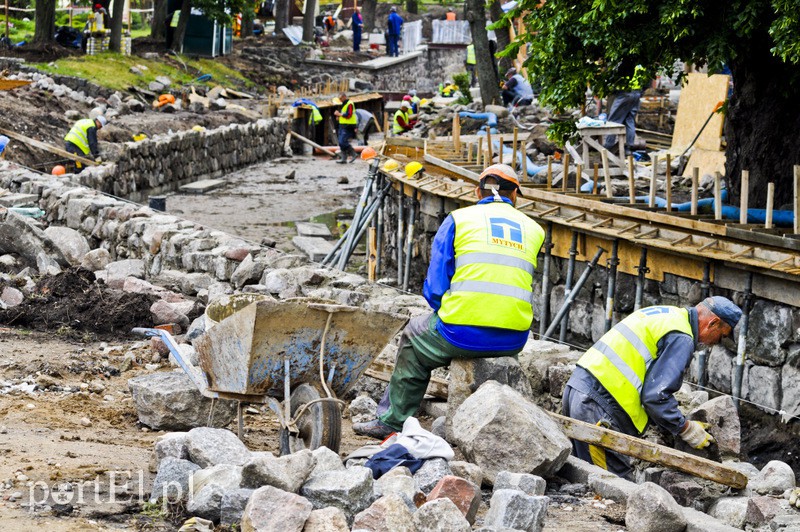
(336,101)
(390,165)
(413,168)
(423,102)
(198,128)
(139,137)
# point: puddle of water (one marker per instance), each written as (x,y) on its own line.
(337,221)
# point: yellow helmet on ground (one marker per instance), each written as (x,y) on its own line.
(413,168)
(390,165)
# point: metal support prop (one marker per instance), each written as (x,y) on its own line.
(369,214)
(548,253)
(641,278)
(399,246)
(702,357)
(613,262)
(410,240)
(741,348)
(562,312)
(362,202)
(573,253)
(379,231)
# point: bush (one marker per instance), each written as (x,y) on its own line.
(462,81)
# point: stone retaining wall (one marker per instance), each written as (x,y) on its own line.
(161,164)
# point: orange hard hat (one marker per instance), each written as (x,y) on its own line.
(502,172)
(368,153)
(166,98)
(58,170)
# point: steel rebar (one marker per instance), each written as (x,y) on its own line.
(742,346)
(702,357)
(613,261)
(573,253)
(641,278)
(548,248)
(409,241)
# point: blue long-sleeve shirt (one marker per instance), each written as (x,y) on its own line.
(662,380)
(395,23)
(437,283)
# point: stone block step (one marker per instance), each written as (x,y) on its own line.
(315,247)
(19,200)
(202,186)
(312,229)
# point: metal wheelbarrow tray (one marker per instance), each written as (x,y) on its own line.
(305,351)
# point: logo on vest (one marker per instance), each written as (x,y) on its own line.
(505,232)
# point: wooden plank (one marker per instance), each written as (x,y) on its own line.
(611,157)
(651,452)
(312,143)
(708,161)
(574,153)
(47,147)
(8,84)
(471,176)
(699,96)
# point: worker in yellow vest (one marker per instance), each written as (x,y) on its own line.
(479,285)
(402,121)
(82,138)
(470,63)
(628,377)
(347,128)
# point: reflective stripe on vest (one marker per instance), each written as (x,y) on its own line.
(621,358)
(79,134)
(348,121)
(495,256)
(396,127)
(471,54)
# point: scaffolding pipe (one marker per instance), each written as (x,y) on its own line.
(399,246)
(741,348)
(362,202)
(368,215)
(613,261)
(379,230)
(412,215)
(702,357)
(562,312)
(642,271)
(573,253)
(548,248)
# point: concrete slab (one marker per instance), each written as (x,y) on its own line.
(614,488)
(316,248)
(202,186)
(19,200)
(701,522)
(312,229)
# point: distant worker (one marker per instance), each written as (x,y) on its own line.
(516,89)
(470,62)
(366,124)
(402,119)
(394,28)
(348,119)
(414,101)
(451,15)
(358,25)
(328,23)
(82,139)
(624,108)
(628,378)
(479,288)
(447,89)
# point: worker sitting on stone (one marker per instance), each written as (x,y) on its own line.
(82,139)
(628,377)
(516,89)
(402,119)
(479,285)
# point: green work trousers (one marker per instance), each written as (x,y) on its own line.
(422,349)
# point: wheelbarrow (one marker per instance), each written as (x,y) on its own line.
(306,351)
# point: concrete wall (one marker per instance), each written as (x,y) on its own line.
(161,164)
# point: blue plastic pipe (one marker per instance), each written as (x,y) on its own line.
(491,118)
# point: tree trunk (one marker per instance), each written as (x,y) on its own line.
(180,31)
(411,6)
(503,39)
(368,12)
(45,17)
(115,41)
(158,27)
(281,15)
(761,126)
(476,15)
(308,20)
(248,14)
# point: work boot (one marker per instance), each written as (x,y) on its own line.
(342,158)
(374,429)
(354,156)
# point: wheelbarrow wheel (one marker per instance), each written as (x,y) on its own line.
(320,425)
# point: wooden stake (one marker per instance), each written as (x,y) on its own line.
(668,183)
(549,171)
(500,151)
(565,174)
(631,175)
(514,150)
(796,199)
(717,196)
(385,124)
(770,201)
(490,159)
(479,156)
(469,153)
(457,133)
(653,183)
(744,197)
(524,161)
(578,178)
(607,173)
(372,247)
(695,183)
(596,178)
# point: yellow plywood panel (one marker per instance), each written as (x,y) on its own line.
(708,161)
(700,94)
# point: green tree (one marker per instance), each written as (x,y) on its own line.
(475,11)
(45,16)
(221,11)
(600,42)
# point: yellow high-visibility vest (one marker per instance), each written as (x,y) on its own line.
(315,117)
(396,127)
(495,256)
(79,134)
(353,120)
(621,357)
(471,54)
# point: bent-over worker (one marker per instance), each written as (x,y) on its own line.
(627,379)
(479,285)
(402,119)
(516,89)
(82,138)
(366,124)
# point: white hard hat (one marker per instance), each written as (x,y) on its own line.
(405,105)
(102,120)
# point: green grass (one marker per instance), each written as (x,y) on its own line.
(113,71)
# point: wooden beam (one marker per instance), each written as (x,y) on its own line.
(301,138)
(651,452)
(47,147)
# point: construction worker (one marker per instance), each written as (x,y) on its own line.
(365,125)
(624,107)
(82,139)
(394,28)
(480,287)
(402,119)
(470,63)
(414,101)
(450,15)
(357,24)
(516,89)
(347,128)
(628,377)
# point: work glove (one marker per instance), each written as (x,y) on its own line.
(694,433)
(98,160)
